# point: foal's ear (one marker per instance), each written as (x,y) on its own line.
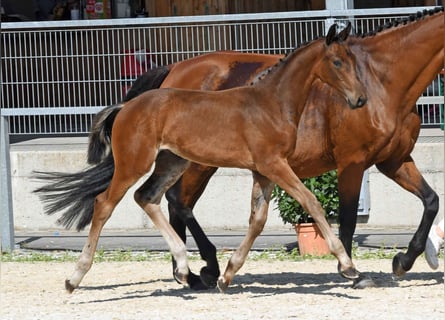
(332,34)
(343,35)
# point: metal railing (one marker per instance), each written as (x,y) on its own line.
(56,75)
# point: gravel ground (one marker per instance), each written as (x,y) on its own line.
(263,289)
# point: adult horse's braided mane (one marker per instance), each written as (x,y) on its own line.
(394,23)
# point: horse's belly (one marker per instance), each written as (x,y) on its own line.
(213,155)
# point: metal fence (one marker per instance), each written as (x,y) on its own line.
(56,75)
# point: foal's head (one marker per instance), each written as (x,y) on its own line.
(338,68)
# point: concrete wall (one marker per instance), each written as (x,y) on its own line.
(226,201)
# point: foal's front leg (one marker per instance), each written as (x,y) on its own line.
(261,192)
(279,171)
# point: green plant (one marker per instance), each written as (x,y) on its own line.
(324,188)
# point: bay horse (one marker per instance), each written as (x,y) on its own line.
(252,127)
(398,61)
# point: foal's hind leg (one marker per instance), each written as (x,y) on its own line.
(103,208)
(409,177)
(262,189)
(169,168)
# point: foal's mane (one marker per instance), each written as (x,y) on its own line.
(402,21)
(283,60)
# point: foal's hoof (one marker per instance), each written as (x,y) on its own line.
(222,285)
(349,273)
(207,278)
(363,282)
(397,267)
(69,287)
(180,277)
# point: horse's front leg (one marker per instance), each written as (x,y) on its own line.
(168,170)
(349,185)
(261,192)
(409,178)
(279,171)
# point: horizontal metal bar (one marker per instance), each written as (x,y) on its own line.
(210,18)
(431,100)
(93,110)
(49,111)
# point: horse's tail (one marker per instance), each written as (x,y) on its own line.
(99,145)
(100,135)
(152,79)
(75,192)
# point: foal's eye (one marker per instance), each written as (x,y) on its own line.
(337,63)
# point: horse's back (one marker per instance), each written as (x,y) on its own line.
(218,70)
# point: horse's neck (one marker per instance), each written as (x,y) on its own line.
(405,59)
(292,79)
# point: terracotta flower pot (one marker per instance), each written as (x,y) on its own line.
(310,240)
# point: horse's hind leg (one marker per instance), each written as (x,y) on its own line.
(409,177)
(168,169)
(181,200)
(103,208)
(261,192)
(349,184)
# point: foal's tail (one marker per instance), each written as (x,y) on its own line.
(99,145)
(74,193)
(100,135)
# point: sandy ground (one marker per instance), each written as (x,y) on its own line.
(261,290)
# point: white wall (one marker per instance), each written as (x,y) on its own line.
(226,201)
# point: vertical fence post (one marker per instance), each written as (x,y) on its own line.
(6,215)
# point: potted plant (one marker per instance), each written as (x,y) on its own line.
(324,187)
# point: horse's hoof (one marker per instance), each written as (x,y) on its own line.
(397,266)
(207,278)
(195,282)
(222,285)
(69,287)
(363,282)
(350,273)
(180,277)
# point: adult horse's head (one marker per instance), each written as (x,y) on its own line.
(338,68)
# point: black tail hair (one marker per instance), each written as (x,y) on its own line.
(99,145)
(75,192)
(152,79)
(100,135)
